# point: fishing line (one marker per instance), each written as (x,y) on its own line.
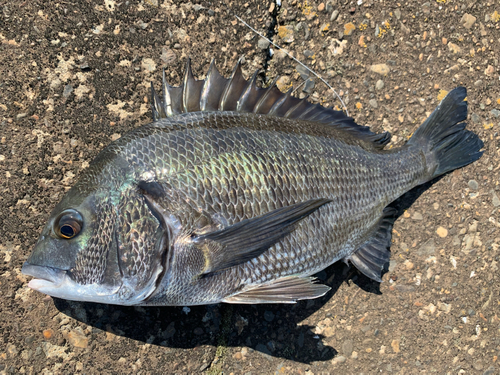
(293,58)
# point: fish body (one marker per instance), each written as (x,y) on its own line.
(237,194)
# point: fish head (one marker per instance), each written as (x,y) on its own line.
(102,246)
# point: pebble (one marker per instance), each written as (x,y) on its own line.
(349,28)
(442,232)
(309,86)
(494,199)
(380,69)
(334,15)
(395,346)
(397,13)
(489,71)
(408,264)
(417,216)
(428,248)
(303,71)
(373,103)
(468,20)
(263,43)
(475,118)
(454,48)
(286,33)
(347,348)
(495,112)
(379,85)
(321,7)
(339,359)
(489,371)
(68,89)
(77,338)
(473,184)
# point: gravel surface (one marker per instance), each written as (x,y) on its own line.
(76,75)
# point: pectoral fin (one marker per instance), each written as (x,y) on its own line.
(288,289)
(249,238)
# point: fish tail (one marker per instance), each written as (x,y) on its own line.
(446,143)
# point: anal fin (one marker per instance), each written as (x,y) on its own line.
(371,257)
(289,289)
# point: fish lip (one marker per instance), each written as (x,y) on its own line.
(44,276)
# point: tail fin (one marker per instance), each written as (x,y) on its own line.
(446,143)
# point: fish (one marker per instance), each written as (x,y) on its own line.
(239,194)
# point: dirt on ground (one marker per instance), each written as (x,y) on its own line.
(76,75)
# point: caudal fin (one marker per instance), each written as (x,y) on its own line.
(446,143)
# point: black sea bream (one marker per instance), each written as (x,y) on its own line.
(237,194)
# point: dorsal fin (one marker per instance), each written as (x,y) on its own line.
(216,93)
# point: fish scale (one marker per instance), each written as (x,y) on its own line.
(237,194)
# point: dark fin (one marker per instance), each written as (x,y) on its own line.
(249,238)
(446,143)
(216,93)
(152,188)
(372,256)
(289,289)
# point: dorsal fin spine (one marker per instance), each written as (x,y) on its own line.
(265,95)
(216,93)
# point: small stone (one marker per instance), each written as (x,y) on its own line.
(473,184)
(148,65)
(397,13)
(444,307)
(395,346)
(68,89)
(495,112)
(347,348)
(490,370)
(349,28)
(262,43)
(303,71)
(334,15)
(339,359)
(77,338)
(48,333)
(442,232)
(494,199)
(321,7)
(283,83)
(417,216)
(426,7)
(309,86)
(490,70)
(475,118)
(454,48)
(408,264)
(286,33)
(373,103)
(380,69)
(427,248)
(238,356)
(478,82)
(379,85)
(468,20)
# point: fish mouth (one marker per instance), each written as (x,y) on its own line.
(44,277)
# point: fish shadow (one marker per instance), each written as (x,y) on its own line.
(272,329)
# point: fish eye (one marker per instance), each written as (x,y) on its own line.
(68,224)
